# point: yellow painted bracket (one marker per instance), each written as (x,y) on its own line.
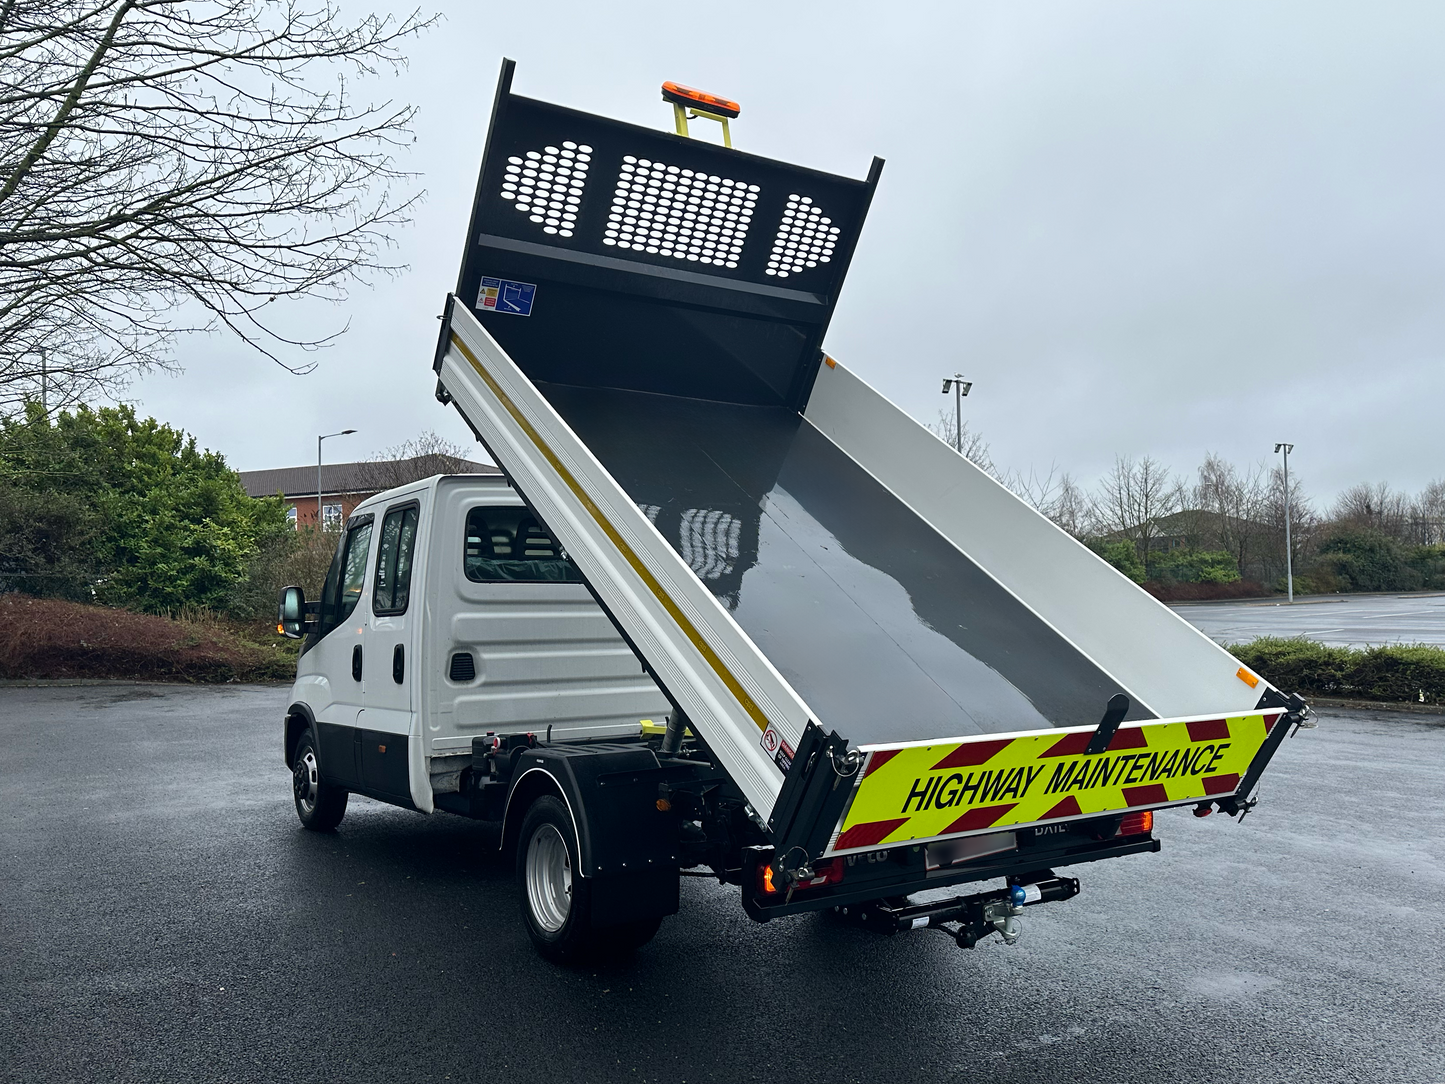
(681,114)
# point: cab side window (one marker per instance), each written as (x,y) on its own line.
(353,569)
(344,579)
(392,587)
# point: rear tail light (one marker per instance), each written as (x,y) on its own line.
(827,872)
(1136,824)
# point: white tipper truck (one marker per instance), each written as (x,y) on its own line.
(729,612)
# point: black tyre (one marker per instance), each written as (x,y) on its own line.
(557,900)
(556,904)
(319,804)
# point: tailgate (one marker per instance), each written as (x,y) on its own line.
(922,791)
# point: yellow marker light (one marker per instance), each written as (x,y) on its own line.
(697,99)
(1248,678)
(281,629)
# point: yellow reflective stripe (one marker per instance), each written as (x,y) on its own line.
(674,611)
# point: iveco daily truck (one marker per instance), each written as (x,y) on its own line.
(728,611)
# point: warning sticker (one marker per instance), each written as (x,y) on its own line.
(929,791)
(781,752)
(504,295)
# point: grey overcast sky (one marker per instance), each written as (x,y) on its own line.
(1140,227)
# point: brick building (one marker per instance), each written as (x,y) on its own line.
(345,485)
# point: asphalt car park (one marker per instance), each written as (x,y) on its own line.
(166,918)
(1338,620)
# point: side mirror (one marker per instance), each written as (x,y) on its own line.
(291,615)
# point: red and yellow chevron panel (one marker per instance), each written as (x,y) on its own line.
(920,792)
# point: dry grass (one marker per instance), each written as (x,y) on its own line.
(50,638)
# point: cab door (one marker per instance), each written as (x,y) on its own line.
(390,652)
(336,656)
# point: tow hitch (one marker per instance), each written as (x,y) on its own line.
(977,916)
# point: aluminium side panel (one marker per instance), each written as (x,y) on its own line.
(546,659)
(1161,661)
(705,663)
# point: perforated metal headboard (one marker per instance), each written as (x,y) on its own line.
(605,254)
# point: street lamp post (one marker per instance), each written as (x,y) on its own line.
(960,388)
(319,439)
(1288,550)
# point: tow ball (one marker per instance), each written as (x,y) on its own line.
(977,916)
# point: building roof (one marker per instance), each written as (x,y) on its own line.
(351,479)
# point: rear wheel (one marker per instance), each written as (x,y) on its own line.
(557,899)
(319,804)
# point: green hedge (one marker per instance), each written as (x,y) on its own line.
(1407,673)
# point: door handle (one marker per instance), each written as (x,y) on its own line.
(356,663)
(398,664)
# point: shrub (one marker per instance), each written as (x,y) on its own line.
(1170,591)
(53,638)
(102,505)
(1365,560)
(1123,556)
(1399,673)
(1194,566)
(289,557)
(1429,562)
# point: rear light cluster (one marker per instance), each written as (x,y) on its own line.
(1136,824)
(827,872)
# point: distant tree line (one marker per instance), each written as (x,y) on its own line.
(1220,529)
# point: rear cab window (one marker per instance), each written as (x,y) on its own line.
(391,590)
(510,545)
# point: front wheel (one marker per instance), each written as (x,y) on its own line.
(319,804)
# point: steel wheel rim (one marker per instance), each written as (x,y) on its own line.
(304,781)
(549,878)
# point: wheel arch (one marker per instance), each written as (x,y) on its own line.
(534,783)
(298,720)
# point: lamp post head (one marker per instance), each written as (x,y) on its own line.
(956,379)
(1287,448)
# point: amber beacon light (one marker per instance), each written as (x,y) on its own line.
(686,101)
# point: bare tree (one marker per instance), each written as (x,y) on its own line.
(1231,505)
(1428,515)
(1055,495)
(1377,507)
(1133,498)
(975,448)
(411,461)
(175,165)
(1304,524)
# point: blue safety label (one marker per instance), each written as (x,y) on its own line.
(504,295)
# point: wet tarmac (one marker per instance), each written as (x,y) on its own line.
(1341,620)
(164,917)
